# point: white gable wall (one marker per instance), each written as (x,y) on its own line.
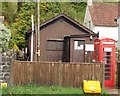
(118,21)
(106,32)
(87,20)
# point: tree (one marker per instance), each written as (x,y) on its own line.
(22,24)
(9,10)
(5,35)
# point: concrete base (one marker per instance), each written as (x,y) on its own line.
(112,91)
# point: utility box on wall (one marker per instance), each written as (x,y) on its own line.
(105,52)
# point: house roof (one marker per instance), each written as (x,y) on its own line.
(119,9)
(67,18)
(104,14)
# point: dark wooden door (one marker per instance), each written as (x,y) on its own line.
(79,51)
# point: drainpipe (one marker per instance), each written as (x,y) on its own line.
(31,56)
(38,31)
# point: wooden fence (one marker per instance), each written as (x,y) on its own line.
(55,73)
(118,74)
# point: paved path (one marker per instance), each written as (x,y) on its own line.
(113,91)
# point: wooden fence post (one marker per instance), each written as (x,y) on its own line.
(103,73)
(11,77)
(60,73)
(118,74)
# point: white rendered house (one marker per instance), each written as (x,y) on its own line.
(100,17)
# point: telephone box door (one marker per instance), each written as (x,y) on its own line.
(108,59)
(105,51)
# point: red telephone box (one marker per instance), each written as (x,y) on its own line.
(105,51)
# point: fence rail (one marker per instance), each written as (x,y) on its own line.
(55,73)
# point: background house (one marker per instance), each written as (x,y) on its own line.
(100,17)
(119,25)
(62,38)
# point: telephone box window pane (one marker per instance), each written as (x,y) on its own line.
(108,61)
(108,53)
(107,66)
(107,70)
(107,74)
(108,57)
(107,78)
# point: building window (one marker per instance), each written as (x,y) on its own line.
(55,45)
(78,44)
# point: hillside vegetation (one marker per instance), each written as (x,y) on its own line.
(18,16)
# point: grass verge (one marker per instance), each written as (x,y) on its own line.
(34,89)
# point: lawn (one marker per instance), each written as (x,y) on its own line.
(34,89)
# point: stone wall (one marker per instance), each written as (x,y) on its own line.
(5,69)
(6,66)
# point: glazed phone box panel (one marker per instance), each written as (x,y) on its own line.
(105,52)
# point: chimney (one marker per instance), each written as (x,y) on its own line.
(2,19)
(90,2)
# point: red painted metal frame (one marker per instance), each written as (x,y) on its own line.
(99,45)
